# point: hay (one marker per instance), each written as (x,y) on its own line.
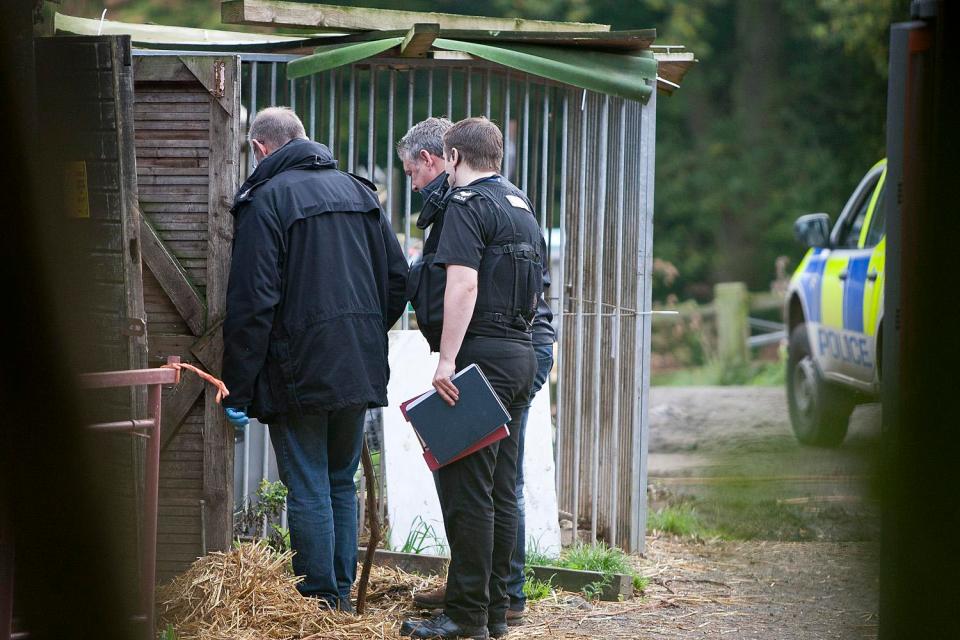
(249,593)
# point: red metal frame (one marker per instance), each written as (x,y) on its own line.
(154,379)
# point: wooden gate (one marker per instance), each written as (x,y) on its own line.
(186,122)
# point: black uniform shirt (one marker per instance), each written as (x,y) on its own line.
(469,226)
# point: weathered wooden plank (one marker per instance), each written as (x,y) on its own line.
(150,190)
(195,248)
(150,110)
(409,562)
(183,456)
(179,143)
(194,172)
(179,163)
(175,236)
(618,587)
(165,226)
(165,134)
(183,469)
(189,484)
(163,345)
(188,490)
(182,538)
(192,442)
(179,502)
(172,278)
(173,117)
(172,208)
(224,181)
(106,268)
(180,519)
(418,40)
(177,558)
(173,197)
(173,97)
(162,69)
(189,259)
(208,349)
(177,405)
(335,18)
(182,151)
(166,126)
(171,180)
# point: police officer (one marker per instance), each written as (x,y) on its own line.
(317,279)
(421,152)
(490,248)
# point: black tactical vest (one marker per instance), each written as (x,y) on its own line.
(426,282)
(510,280)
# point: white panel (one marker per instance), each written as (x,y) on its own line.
(543,528)
(411,494)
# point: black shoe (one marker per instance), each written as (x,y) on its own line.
(497,629)
(442,627)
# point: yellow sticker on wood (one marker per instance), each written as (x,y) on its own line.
(75,194)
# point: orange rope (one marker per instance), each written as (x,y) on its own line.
(222,391)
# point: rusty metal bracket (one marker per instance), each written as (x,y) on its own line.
(219,81)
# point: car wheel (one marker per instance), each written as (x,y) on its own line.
(819,411)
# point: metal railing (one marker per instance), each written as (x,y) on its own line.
(149,427)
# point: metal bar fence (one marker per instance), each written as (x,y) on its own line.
(590,172)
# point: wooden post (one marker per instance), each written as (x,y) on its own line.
(732,304)
(224,180)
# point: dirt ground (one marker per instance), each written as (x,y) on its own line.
(807,567)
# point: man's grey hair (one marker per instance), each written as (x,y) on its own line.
(424,136)
(276,126)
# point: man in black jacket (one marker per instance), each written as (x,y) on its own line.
(317,280)
(491,249)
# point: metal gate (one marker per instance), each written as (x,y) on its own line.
(586,161)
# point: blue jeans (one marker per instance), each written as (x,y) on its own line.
(317,457)
(518,601)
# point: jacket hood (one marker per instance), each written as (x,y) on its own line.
(299,153)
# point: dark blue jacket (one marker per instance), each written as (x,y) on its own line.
(317,279)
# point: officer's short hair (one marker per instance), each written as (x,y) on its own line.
(424,136)
(478,141)
(276,126)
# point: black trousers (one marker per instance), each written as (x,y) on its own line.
(478,493)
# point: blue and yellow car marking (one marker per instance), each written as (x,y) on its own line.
(842,295)
(810,281)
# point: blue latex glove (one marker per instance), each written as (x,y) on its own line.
(237,417)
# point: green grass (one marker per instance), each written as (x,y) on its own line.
(421,538)
(590,557)
(535,589)
(679,520)
(596,557)
(761,374)
(743,509)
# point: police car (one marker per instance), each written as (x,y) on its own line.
(834,314)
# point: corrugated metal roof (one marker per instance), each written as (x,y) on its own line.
(623,63)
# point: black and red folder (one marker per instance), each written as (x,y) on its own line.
(447,433)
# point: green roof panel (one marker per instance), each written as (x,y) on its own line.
(338,55)
(621,75)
